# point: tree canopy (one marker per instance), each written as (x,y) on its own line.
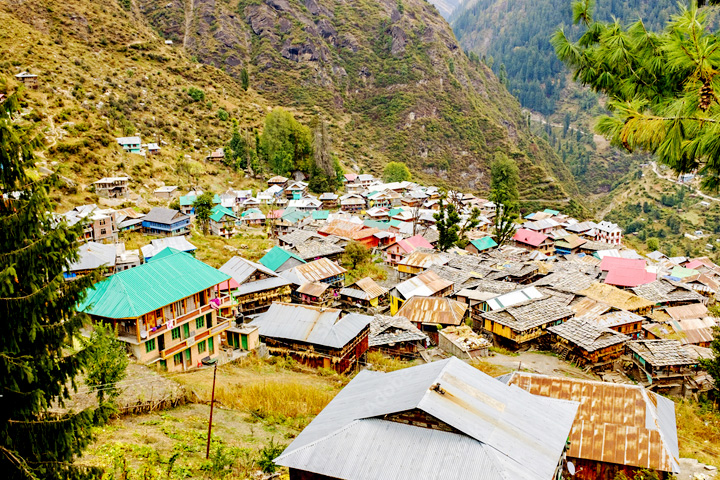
(285,142)
(504,193)
(396,172)
(662,87)
(203,205)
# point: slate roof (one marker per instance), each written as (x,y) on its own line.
(299,236)
(311,249)
(317,326)
(500,432)
(164,215)
(385,330)
(140,290)
(530,315)
(663,291)
(588,335)
(661,353)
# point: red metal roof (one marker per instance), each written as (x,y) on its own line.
(610,263)
(413,243)
(529,237)
(629,277)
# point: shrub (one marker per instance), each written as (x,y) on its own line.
(196,94)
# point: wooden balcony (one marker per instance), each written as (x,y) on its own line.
(224,301)
(222,325)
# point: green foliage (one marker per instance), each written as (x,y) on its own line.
(267,456)
(653,244)
(712,366)
(107,362)
(396,172)
(241,151)
(662,88)
(223,115)
(325,171)
(39,309)
(196,94)
(244,79)
(504,193)
(447,221)
(285,142)
(355,254)
(203,209)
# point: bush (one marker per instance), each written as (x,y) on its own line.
(196,94)
(223,115)
(267,456)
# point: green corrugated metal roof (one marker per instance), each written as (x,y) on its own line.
(682,272)
(484,243)
(165,252)
(218,212)
(276,257)
(293,216)
(140,290)
(395,223)
(380,225)
(249,211)
(551,212)
(216,199)
(187,200)
(395,211)
(321,214)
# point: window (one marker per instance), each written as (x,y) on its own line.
(199,322)
(175,333)
(177,358)
(202,346)
(150,346)
(103,231)
(208,319)
(211,345)
(186,330)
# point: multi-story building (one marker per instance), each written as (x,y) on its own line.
(166,221)
(171,323)
(100,224)
(112,187)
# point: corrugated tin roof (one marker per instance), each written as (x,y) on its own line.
(318,326)
(240,269)
(371,287)
(694,310)
(433,310)
(616,423)
(140,290)
(514,298)
(426,284)
(526,432)
(261,285)
(156,246)
(314,289)
(93,255)
(316,270)
(276,257)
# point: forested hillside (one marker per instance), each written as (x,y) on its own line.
(514,38)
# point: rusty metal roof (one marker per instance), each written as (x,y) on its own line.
(426,284)
(317,270)
(694,310)
(616,423)
(434,310)
(315,289)
(370,287)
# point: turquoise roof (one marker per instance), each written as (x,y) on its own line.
(218,212)
(140,290)
(216,199)
(187,200)
(381,225)
(321,214)
(551,212)
(395,223)
(276,257)
(395,211)
(164,253)
(484,243)
(682,272)
(250,210)
(294,215)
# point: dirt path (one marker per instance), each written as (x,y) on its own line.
(695,190)
(543,363)
(189,13)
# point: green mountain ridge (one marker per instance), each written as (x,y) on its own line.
(389,76)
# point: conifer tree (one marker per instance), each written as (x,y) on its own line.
(37,311)
(504,193)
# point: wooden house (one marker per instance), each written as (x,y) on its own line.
(667,293)
(385,199)
(531,240)
(91,256)
(28,79)
(296,190)
(314,250)
(352,202)
(316,294)
(223,222)
(172,323)
(166,221)
(430,314)
(216,156)
(322,270)
(278,180)
(317,337)
(519,325)
(407,424)
(617,298)
(419,261)
(166,192)
(618,429)
(364,293)
(427,284)
(112,187)
(396,336)
(257,286)
(395,252)
(480,245)
(569,244)
(584,342)
(661,365)
(180,243)
(130,144)
(329,200)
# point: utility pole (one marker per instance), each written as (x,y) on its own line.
(212,404)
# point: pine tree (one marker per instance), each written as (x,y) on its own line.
(504,193)
(37,308)
(447,221)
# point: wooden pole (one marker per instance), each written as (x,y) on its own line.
(212,404)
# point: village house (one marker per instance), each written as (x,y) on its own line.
(181,244)
(316,337)
(524,323)
(407,424)
(584,342)
(100,224)
(694,324)
(569,244)
(153,148)
(279,260)
(545,226)
(625,272)
(125,259)
(661,365)
(298,237)
(166,192)
(531,240)
(617,298)
(396,336)
(216,156)
(279,181)
(223,222)
(395,252)
(329,200)
(172,323)
(352,202)
(384,199)
(315,250)
(419,261)
(615,428)
(322,270)
(130,144)
(316,294)
(257,286)
(462,342)
(112,187)
(430,314)
(480,245)
(667,293)
(508,299)
(296,190)
(28,79)
(305,204)
(608,232)
(253,217)
(166,221)
(365,293)
(427,284)
(243,337)
(91,256)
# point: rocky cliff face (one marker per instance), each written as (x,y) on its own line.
(390,74)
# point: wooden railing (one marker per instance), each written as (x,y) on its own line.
(190,341)
(186,318)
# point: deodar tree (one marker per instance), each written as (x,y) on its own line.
(38,316)
(504,193)
(662,88)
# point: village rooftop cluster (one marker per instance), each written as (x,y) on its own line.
(640,322)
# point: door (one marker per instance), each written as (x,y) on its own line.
(244,342)
(188,357)
(161,342)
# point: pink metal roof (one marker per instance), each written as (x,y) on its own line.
(529,237)
(629,277)
(611,263)
(413,243)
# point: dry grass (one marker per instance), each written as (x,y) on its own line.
(698,431)
(385,363)
(490,368)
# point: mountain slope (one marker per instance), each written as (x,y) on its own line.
(390,74)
